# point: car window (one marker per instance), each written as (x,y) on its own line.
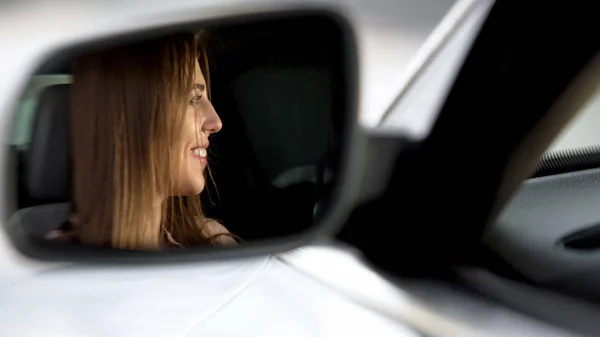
(583,129)
(25,112)
(304,93)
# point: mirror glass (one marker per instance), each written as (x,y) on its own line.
(216,134)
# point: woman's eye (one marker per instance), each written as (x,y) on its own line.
(196,100)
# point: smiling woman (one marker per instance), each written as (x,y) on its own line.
(141,119)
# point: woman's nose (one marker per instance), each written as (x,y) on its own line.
(212,122)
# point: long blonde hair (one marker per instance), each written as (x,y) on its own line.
(127,107)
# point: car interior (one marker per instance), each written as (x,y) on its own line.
(272,84)
(532,246)
(559,245)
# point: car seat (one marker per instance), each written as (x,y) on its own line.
(46,177)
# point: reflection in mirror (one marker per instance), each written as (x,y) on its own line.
(212,136)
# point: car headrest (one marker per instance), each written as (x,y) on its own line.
(48,168)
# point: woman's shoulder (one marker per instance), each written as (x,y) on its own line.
(64,233)
(218,233)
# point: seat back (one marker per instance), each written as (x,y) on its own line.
(46,178)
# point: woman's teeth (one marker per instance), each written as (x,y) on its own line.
(200,152)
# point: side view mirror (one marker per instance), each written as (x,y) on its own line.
(296,140)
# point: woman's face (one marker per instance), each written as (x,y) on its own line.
(200,121)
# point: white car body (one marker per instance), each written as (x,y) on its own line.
(403,47)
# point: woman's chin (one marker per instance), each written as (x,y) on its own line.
(199,185)
(192,188)
(197,188)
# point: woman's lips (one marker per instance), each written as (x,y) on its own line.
(200,154)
